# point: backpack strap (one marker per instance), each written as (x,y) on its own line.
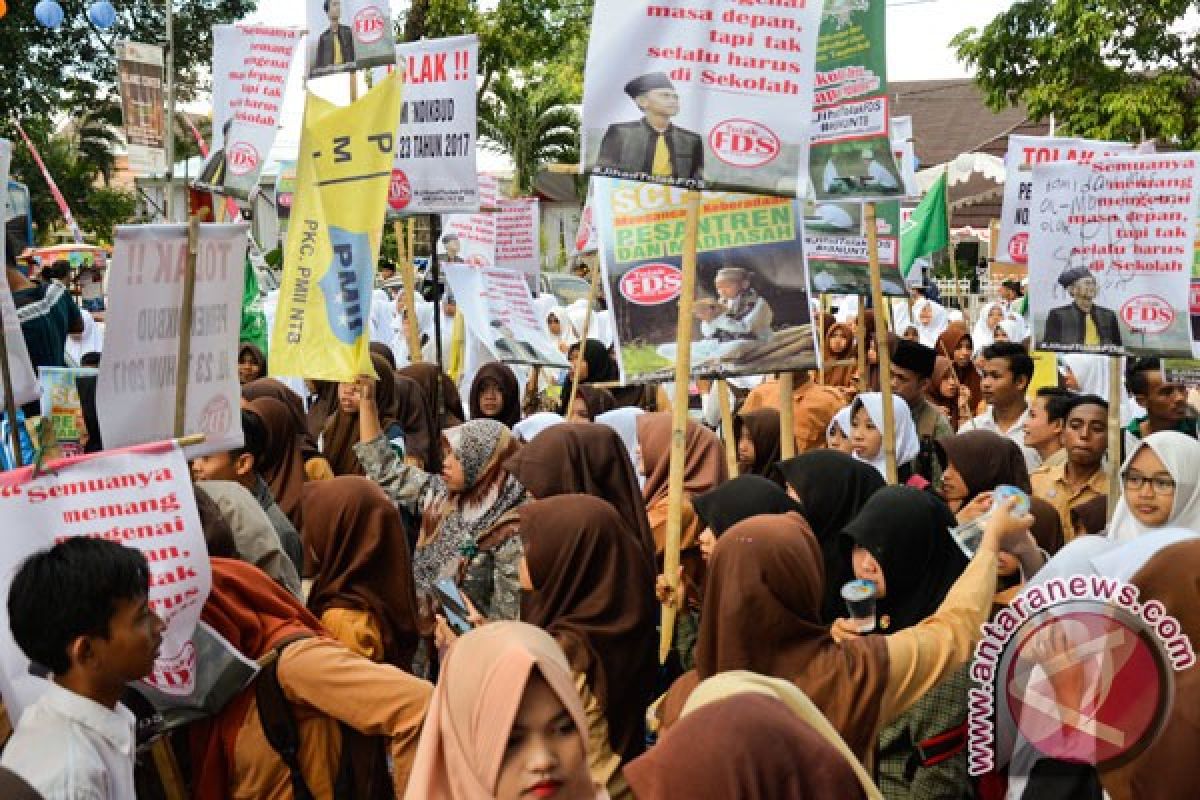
(278,722)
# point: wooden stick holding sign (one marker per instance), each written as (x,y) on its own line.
(1115,435)
(731,445)
(10,402)
(583,335)
(182,366)
(679,410)
(863,377)
(408,274)
(881,347)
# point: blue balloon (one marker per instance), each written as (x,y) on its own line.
(49,13)
(102,14)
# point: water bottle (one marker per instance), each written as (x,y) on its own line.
(968,535)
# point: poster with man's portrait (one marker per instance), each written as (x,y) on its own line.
(349,35)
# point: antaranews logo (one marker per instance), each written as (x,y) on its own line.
(1078,670)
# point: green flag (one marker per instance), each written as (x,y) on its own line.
(254,321)
(929,230)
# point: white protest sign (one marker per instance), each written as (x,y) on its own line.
(24,381)
(1023,153)
(1111,254)
(347,35)
(905,153)
(518,235)
(136,393)
(141,498)
(471,238)
(250,74)
(703,94)
(499,311)
(586,239)
(434,171)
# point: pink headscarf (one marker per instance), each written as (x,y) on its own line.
(475,705)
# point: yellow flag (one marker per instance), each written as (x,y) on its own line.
(322,325)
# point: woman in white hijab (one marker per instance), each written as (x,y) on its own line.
(624,422)
(866,423)
(91,340)
(930,320)
(990,316)
(837,433)
(534,424)
(1161,487)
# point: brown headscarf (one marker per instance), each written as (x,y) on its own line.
(416,418)
(593,591)
(269,387)
(432,380)
(255,615)
(283,464)
(355,539)
(1092,514)
(704,470)
(341,429)
(941,368)
(598,401)
(985,460)
(503,376)
(1047,527)
(762,606)
(246,349)
(323,406)
(584,458)
(968,376)
(763,428)
(841,375)
(868,321)
(1161,771)
(750,747)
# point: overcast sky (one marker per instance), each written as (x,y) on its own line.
(919,32)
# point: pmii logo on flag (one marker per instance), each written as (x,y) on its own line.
(347,284)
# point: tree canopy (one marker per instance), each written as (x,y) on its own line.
(1103,68)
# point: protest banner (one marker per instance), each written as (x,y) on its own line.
(851,154)
(498,309)
(20,384)
(518,236)
(471,238)
(140,80)
(586,240)
(250,73)
(322,322)
(137,392)
(434,171)
(62,409)
(348,35)
(705,95)
(1112,247)
(140,497)
(1024,152)
(835,245)
(905,152)
(285,190)
(752,306)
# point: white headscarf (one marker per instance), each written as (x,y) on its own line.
(1091,373)
(982,336)
(908,444)
(929,334)
(1013,328)
(841,420)
(534,424)
(624,422)
(1180,454)
(90,341)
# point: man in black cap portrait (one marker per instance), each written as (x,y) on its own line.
(652,145)
(1082,322)
(335,46)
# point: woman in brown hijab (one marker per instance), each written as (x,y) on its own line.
(269,387)
(590,587)
(283,467)
(956,344)
(495,394)
(581,458)
(943,392)
(341,429)
(252,364)
(761,613)
(758,443)
(436,384)
(839,345)
(357,554)
(590,402)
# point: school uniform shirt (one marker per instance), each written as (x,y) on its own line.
(813,408)
(987,422)
(71,748)
(1050,484)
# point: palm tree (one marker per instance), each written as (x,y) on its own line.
(532,122)
(93,136)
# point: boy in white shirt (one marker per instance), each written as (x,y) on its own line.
(79,610)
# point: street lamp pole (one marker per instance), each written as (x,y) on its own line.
(169,143)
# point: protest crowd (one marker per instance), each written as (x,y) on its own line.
(782,524)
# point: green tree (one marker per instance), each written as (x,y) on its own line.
(1103,68)
(532,122)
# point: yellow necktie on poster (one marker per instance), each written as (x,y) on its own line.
(344,171)
(337,48)
(661,166)
(1091,336)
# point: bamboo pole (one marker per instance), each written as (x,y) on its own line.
(731,443)
(819,329)
(1114,434)
(679,410)
(787,416)
(169,774)
(862,347)
(183,365)
(583,335)
(408,274)
(10,401)
(881,348)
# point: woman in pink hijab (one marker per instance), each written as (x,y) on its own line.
(506,722)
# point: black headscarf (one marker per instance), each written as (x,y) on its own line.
(739,499)
(86,384)
(510,390)
(832,487)
(763,428)
(908,532)
(601,366)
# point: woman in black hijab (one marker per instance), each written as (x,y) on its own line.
(598,364)
(736,500)
(831,487)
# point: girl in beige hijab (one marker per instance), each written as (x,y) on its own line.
(505,723)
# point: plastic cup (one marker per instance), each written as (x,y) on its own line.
(860,602)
